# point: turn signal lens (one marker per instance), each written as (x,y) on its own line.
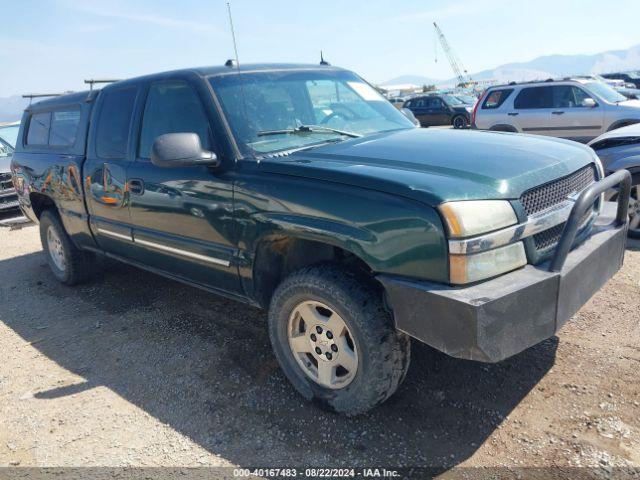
(472,268)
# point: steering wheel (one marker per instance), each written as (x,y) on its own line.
(345,114)
(331,116)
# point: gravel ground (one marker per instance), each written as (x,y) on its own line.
(133,369)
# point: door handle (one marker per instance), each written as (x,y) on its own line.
(558,112)
(512,114)
(136,186)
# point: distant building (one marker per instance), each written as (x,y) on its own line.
(401,89)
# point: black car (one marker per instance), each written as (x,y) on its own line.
(628,77)
(432,110)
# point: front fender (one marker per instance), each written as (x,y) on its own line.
(391,234)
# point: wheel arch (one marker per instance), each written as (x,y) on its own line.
(279,254)
(41,202)
(503,127)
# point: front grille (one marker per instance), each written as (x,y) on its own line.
(552,193)
(548,238)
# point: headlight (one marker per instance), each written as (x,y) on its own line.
(471,268)
(469,218)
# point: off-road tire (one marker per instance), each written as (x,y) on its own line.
(78,264)
(383,352)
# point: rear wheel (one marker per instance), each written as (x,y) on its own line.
(335,341)
(68,263)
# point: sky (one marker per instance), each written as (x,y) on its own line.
(52,45)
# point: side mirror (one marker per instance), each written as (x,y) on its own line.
(589,103)
(181,150)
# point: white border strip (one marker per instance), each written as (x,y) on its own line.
(121,236)
(165,248)
(183,253)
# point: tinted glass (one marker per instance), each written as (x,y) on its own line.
(433,102)
(64,127)
(567,96)
(496,98)
(114,122)
(534,97)
(172,108)
(38,133)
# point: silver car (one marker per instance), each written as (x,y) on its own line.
(8,196)
(620,149)
(578,109)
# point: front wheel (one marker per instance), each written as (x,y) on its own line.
(335,341)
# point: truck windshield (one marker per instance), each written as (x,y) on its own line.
(289,109)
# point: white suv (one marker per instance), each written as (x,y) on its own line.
(578,109)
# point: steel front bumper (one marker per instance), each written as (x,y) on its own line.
(495,319)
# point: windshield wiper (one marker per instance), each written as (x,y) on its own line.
(308,129)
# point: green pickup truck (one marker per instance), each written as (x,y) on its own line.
(298,188)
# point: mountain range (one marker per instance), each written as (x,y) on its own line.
(539,68)
(543,67)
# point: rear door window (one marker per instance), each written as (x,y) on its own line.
(114,122)
(496,98)
(534,97)
(39,125)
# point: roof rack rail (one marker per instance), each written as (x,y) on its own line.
(31,96)
(42,95)
(92,81)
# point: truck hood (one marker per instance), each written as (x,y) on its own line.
(438,165)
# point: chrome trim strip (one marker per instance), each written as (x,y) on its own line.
(183,253)
(536,223)
(120,236)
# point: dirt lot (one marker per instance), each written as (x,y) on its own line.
(133,369)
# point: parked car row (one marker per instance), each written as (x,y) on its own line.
(628,77)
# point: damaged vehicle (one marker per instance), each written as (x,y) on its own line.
(301,190)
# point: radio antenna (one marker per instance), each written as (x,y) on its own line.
(233,36)
(235,51)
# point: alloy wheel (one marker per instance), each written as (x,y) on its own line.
(322,345)
(56,250)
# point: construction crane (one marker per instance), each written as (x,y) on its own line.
(456,65)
